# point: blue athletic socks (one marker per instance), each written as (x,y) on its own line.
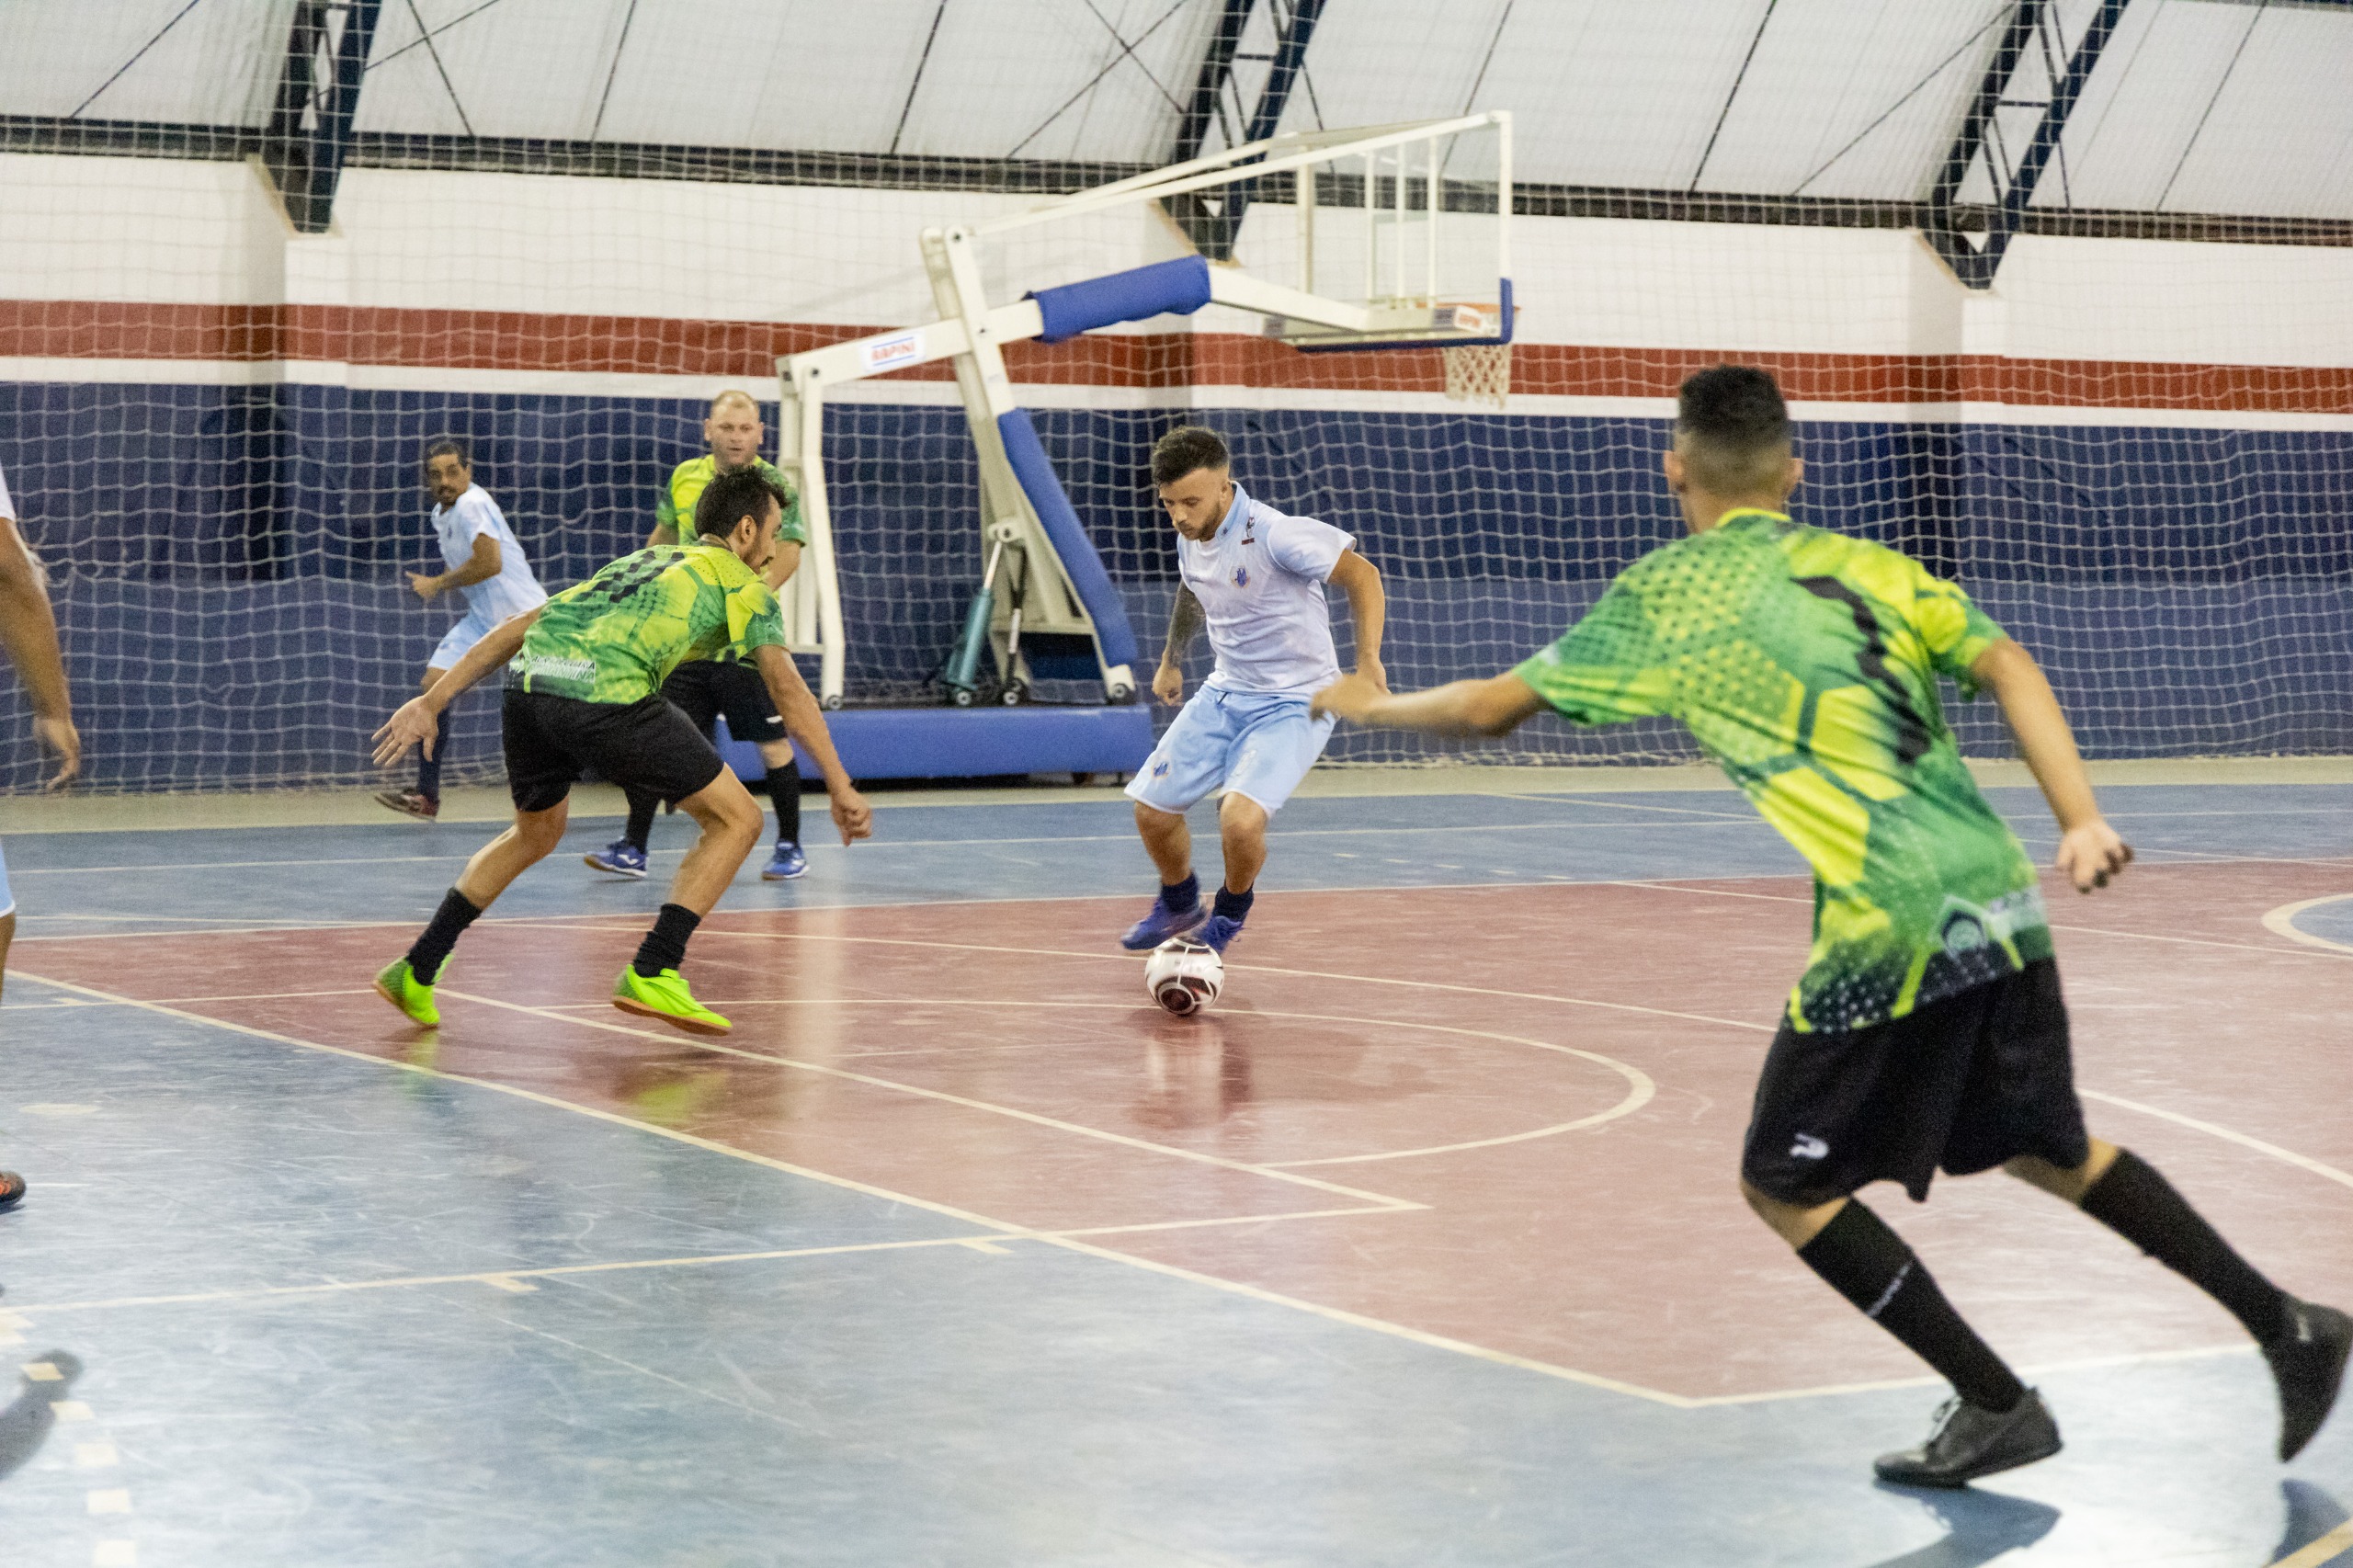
(2136,1201)
(666,946)
(1178,897)
(1234,906)
(431,949)
(1861,1258)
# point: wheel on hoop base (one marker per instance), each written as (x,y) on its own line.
(962,695)
(1121,695)
(1015,693)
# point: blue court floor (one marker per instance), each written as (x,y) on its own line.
(295,1289)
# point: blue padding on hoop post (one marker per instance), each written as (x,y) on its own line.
(1069,538)
(1174,287)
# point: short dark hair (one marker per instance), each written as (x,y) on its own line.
(733,496)
(1186,449)
(447,446)
(1734,429)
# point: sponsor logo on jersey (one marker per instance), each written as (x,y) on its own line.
(562,669)
(1159,769)
(1242,576)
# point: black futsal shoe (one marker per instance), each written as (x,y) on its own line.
(2308,1363)
(1969,1440)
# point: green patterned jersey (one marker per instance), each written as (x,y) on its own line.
(1805,664)
(675,508)
(616,637)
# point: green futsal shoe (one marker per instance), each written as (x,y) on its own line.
(665,996)
(397,983)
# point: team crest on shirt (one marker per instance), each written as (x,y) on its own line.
(1159,769)
(1242,576)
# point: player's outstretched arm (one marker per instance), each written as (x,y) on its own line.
(418,720)
(1496,706)
(1369,608)
(805,722)
(479,567)
(2090,851)
(29,630)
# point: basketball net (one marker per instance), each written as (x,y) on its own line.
(1479,373)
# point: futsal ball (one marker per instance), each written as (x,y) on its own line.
(1184,976)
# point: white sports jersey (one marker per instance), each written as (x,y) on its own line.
(7,507)
(514,590)
(1261,580)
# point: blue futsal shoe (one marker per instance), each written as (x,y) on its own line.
(621,858)
(1217,932)
(786,863)
(1162,924)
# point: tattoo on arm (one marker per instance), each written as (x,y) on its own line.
(1184,621)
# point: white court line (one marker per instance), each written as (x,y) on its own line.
(1253,968)
(1067,1242)
(2282,922)
(706,1042)
(1640,1089)
(2305,1162)
(870,845)
(556,1271)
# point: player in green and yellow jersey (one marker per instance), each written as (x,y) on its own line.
(1927,1032)
(707,688)
(584,690)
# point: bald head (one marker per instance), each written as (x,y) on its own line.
(733,429)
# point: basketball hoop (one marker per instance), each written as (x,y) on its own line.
(1479,373)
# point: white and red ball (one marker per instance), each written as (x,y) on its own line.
(1184,976)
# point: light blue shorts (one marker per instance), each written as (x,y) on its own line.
(461,640)
(7,899)
(1247,742)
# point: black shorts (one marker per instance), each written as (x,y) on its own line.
(1963,1084)
(646,745)
(705,690)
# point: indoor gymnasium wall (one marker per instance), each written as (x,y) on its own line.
(2139,454)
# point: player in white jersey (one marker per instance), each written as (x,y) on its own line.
(1255,578)
(488,566)
(28,634)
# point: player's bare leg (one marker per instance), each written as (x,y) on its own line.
(531,839)
(425,801)
(408,981)
(1178,909)
(651,986)
(1242,833)
(2305,1343)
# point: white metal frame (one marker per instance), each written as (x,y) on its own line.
(973,332)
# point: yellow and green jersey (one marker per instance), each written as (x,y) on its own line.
(676,508)
(1805,664)
(616,637)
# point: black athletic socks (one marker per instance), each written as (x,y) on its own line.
(1180,897)
(428,769)
(784,791)
(1235,906)
(640,817)
(2137,1202)
(666,946)
(1861,1258)
(431,949)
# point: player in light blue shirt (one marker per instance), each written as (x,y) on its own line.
(488,566)
(1255,578)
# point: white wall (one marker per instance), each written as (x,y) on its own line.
(137,229)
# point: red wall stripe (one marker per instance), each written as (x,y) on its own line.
(496,340)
